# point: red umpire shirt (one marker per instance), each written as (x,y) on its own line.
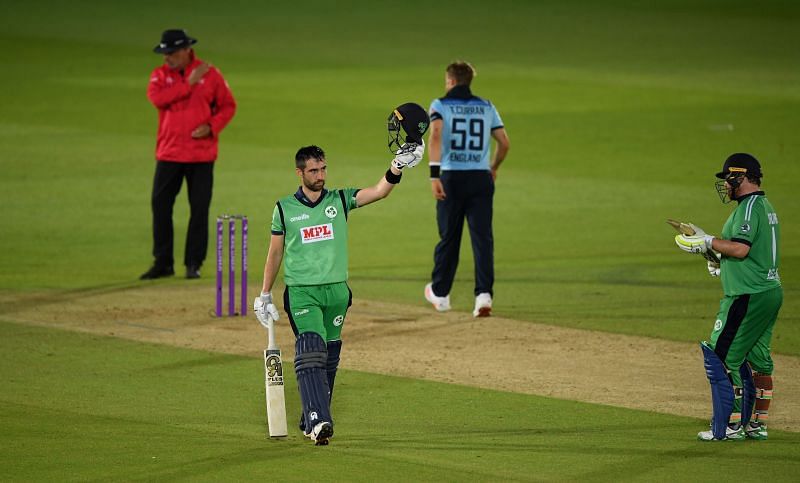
(182,108)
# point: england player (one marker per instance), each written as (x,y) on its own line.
(737,356)
(462,180)
(309,234)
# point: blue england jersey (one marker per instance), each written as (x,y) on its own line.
(467,125)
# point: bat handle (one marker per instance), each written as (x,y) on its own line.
(271,335)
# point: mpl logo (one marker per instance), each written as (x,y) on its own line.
(312,234)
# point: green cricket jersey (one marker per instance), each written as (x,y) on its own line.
(755,224)
(315,243)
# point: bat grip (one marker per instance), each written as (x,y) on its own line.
(271,335)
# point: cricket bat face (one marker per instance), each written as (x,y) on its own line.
(276,404)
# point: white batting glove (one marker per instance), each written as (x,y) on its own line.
(694,243)
(713,269)
(266,311)
(410,158)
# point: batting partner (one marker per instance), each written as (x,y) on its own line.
(309,233)
(737,356)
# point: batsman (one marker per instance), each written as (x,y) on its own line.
(309,234)
(737,356)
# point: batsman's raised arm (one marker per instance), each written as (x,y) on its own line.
(406,125)
(409,155)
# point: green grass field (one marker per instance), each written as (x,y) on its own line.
(151,413)
(619,112)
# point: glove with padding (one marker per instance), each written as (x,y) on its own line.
(409,155)
(694,243)
(266,311)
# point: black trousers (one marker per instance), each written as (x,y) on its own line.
(166,186)
(470,196)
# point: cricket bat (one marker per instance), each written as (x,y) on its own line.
(686,229)
(276,403)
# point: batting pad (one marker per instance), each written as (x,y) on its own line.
(721,391)
(332,364)
(748,392)
(312,380)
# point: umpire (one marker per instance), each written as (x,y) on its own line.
(194,104)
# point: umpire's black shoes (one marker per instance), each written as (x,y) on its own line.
(157,271)
(193,271)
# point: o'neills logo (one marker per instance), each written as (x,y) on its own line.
(317,233)
(304,216)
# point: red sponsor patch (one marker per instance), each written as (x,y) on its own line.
(311,234)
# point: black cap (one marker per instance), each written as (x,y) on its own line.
(172,40)
(740,163)
(414,119)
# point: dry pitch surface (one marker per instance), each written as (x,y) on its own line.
(494,353)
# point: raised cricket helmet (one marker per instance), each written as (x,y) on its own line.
(407,124)
(736,167)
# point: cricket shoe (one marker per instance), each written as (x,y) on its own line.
(442,304)
(310,435)
(321,434)
(756,431)
(483,305)
(192,271)
(157,271)
(732,433)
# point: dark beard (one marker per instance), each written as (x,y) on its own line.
(313,186)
